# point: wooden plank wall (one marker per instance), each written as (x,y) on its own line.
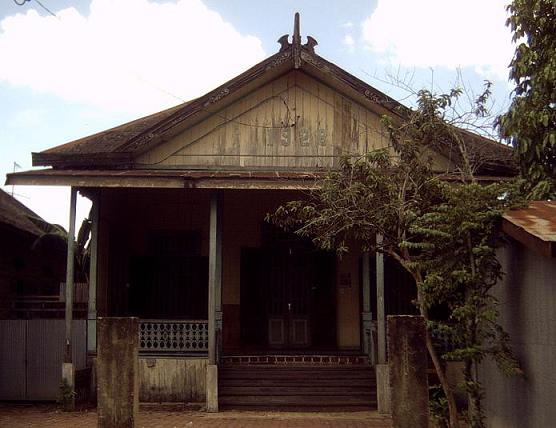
(172,379)
(295,122)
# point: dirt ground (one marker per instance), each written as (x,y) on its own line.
(48,416)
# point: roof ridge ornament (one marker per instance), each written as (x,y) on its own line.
(296,42)
(284,43)
(311,43)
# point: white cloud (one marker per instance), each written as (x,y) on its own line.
(348,40)
(443,33)
(29,117)
(124,54)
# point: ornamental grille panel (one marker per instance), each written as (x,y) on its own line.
(187,336)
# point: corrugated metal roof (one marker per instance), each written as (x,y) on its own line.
(534,226)
(538,219)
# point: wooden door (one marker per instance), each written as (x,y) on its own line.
(289,287)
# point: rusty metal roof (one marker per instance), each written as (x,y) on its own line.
(534,226)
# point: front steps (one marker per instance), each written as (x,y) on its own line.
(299,387)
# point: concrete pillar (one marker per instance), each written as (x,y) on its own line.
(92,301)
(214,300)
(408,371)
(117,372)
(212,388)
(383,396)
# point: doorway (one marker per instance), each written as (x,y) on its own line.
(288,297)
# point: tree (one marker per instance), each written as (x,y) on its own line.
(444,234)
(530,123)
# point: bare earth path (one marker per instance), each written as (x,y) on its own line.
(48,416)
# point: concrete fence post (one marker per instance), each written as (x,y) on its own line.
(117,372)
(408,371)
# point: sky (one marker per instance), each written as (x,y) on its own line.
(99,63)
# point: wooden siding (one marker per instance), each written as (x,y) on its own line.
(294,122)
(172,379)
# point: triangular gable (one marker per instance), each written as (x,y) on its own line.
(292,122)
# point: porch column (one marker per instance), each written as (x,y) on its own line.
(366,315)
(92,305)
(214,299)
(382,373)
(218,281)
(380,315)
(67,367)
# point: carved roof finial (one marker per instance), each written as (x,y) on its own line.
(311,43)
(296,30)
(296,42)
(284,43)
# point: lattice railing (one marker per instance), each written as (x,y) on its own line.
(178,336)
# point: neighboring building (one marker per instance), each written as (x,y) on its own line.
(32,262)
(179,202)
(32,269)
(527,296)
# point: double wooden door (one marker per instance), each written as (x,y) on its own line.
(287,299)
(290,286)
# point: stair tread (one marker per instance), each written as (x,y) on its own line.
(296,390)
(297,386)
(297,400)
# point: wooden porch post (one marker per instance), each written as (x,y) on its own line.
(214,300)
(67,367)
(381,317)
(382,373)
(92,305)
(366,315)
(218,281)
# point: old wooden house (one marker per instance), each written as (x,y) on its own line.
(180,239)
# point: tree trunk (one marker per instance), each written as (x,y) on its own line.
(452,408)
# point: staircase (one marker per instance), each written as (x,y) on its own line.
(298,387)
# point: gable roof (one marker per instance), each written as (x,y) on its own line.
(116,148)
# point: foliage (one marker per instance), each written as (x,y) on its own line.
(443,233)
(458,240)
(530,123)
(66,396)
(57,235)
(438,407)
